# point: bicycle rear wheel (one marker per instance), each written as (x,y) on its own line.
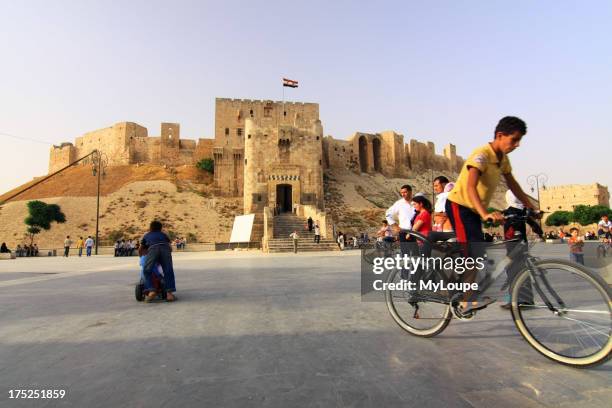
(415,312)
(579,332)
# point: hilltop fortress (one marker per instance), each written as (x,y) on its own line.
(271,153)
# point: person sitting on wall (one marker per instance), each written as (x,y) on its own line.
(4,249)
(605,227)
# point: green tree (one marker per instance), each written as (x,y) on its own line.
(206,165)
(586,214)
(40,216)
(559,218)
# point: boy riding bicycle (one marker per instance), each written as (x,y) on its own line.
(467,203)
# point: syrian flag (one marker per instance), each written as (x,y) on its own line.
(290,83)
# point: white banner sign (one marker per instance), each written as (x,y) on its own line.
(241,231)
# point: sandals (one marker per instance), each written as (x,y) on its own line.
(467,307)
(170,297)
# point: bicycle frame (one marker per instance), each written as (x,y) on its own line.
(537,275)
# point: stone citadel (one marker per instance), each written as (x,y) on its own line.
(567,197)
(270,153)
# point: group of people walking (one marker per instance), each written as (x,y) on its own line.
(81,244)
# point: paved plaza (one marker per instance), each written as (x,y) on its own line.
(257,330)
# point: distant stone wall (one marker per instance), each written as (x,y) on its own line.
(128,143)
(203,150)
(61,156)
(339,154)
(420,156)
(386,153)
(566,197)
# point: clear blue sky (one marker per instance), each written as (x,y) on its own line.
(432,70)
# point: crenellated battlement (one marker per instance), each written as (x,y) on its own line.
(63,145)
(238,101)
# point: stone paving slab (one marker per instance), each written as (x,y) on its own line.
(257,330)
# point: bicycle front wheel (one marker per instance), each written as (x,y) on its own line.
(564,311)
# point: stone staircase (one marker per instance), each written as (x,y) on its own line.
(285,224)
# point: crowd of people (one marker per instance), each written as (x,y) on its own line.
(179,243)
(21,251)
(127,247)
(121,247)
(346,241)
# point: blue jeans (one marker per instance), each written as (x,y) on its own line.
(578,258)
(162,255)
(80,251)
(88,251)
(407,246)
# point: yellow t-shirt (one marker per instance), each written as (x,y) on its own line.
(491,168)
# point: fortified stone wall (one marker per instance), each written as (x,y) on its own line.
(203,150)
(339,154)
(129,143)
(230,117)
(421,156)
(566,197)
(282,156)
(386,153)
(61,156)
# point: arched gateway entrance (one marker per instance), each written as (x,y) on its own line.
(363,154)
(284,197)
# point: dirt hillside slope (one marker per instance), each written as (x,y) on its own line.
(131,196)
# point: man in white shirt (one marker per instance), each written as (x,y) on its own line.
(294,236)
(441,221)
(401,213)
(399,216)
(89,243)
(604,227)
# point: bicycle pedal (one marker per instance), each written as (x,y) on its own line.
(482,304)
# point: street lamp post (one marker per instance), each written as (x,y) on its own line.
(534,181)
(99,162)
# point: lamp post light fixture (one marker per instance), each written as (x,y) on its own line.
(534,181)
(99,162)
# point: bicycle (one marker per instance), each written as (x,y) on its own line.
(569,320)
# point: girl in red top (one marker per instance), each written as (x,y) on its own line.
(422,222)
